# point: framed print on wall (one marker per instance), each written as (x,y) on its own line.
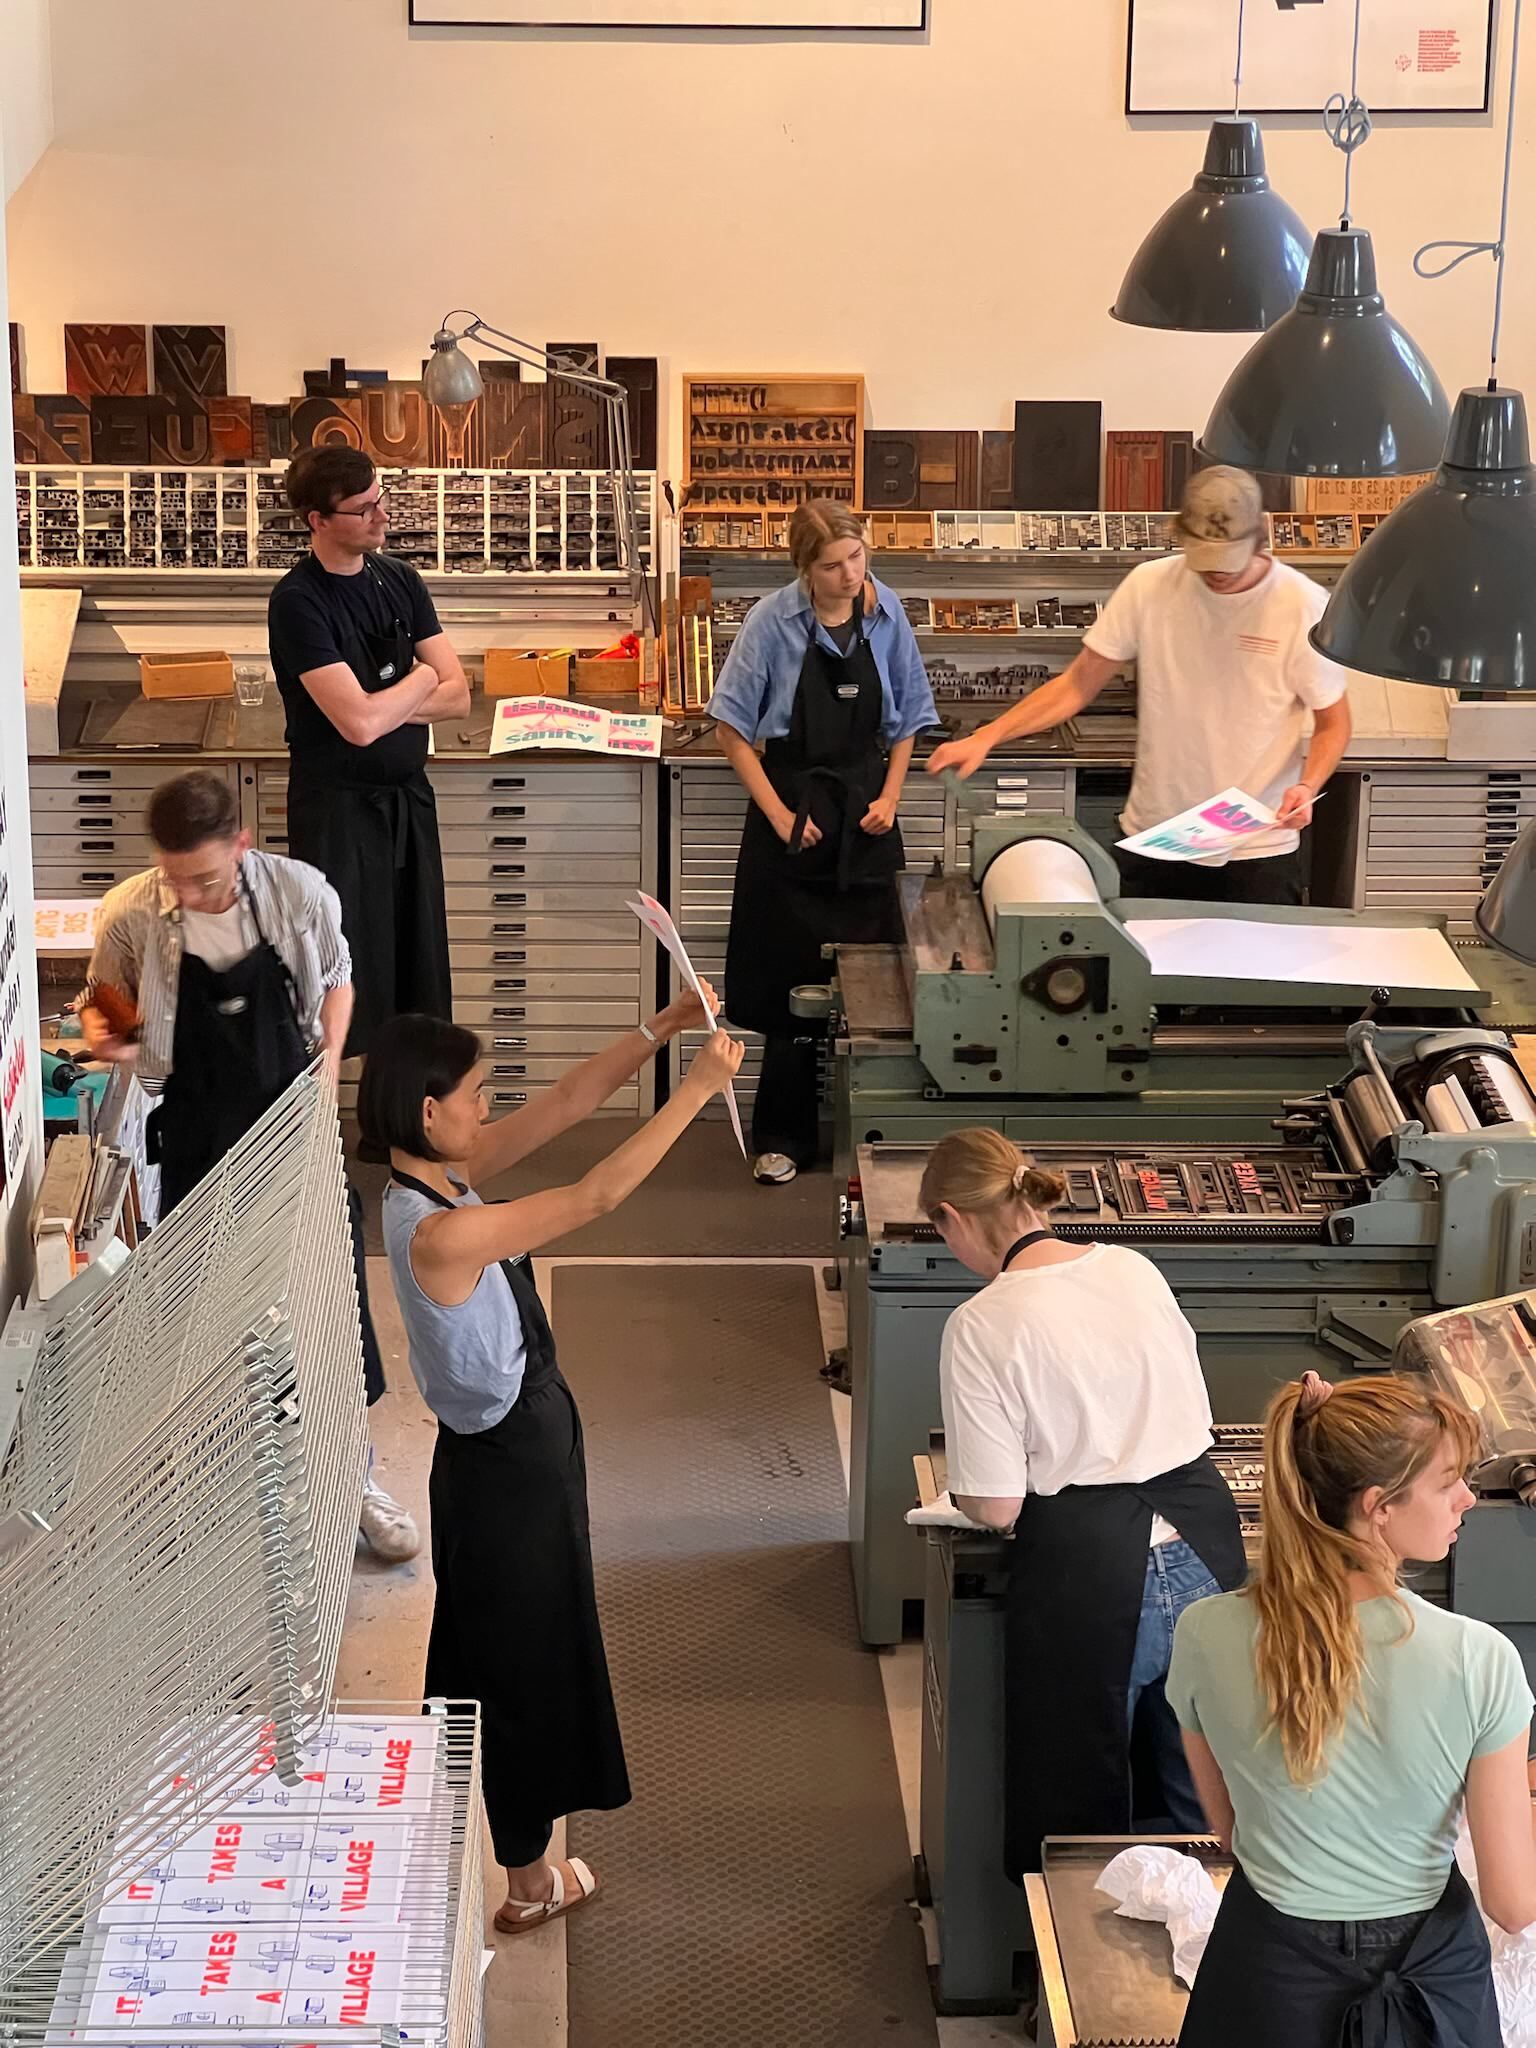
(1416,56)
(711,14)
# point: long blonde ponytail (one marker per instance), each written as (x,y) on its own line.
(1323,1448)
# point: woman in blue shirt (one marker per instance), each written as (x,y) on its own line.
(825,675)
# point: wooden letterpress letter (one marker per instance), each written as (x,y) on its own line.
(640,376)
(120,429)
(271,433)
(190,362)
(395,425)
(52,427)
(996,487)
(890,470)
(1178,468)
(512,420)
(339,380)
(229,429)
(1056,454)
(18,379)
(105,361)
(320,422)
(1133,471)
(179,437)
(575,419)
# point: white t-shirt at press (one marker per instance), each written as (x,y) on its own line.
(1078,1374)
(1225,689)
(220,937)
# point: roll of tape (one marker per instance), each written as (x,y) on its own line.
(1037,871)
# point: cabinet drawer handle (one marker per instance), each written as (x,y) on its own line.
(510,1013)
(508,1095)
(108,875)
(509,867)
(509,810)
(513,957)
(511,931)
(511,899)
(509,782)
(510,839)
(512,984)
(509,1045)
(90,797)
(93,775)
(97,846)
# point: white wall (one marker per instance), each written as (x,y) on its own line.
(16,859)
(26,87)
(949,216)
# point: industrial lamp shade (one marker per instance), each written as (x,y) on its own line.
(451,378)
(1228,257)
(1506,917)
(1336,387)
(1444,592)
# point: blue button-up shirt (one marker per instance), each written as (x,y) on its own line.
(756,690)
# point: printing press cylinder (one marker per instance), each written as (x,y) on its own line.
(1036,871)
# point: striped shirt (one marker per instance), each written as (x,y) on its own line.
(139,947)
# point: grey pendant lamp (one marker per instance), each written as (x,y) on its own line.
(1229,256)
(1336,387)
(1444,591)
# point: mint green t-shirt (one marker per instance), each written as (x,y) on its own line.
(1373,1835)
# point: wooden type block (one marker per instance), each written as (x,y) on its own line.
(324,422)
(180,436)
(120,429)
(230,429)
(1056,448)
(271,432)
(338,380)
(512,422)
(395,425)
(576,423)
(996,491)
(105,360)
(641,378)
(190,362)
(921,470)
(1178,467)
(18,375)
(1134,465)
(52,427)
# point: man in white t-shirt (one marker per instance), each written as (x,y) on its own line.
(1226,683)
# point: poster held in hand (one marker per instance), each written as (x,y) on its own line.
(659,924)
(1217,826)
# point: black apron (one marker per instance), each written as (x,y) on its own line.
(790,901)
(1268,1981)
(377,845)
(515,1623)
(237,1046)
(1075,1583)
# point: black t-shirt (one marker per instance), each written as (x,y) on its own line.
(314,619)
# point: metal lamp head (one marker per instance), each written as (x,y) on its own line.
(1336,387)
(1228,257)
(1444,592)
(450,378)
(1506,917)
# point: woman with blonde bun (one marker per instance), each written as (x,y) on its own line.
(1075,1411)
(1337,1724)
(826,678)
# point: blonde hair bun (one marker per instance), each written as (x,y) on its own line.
(978,1170)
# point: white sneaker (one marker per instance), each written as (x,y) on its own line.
(776,1168)
(389,1532)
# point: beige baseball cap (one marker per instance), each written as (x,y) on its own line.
(1220,524)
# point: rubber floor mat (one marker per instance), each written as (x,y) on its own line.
(701,1202)
(756,1886)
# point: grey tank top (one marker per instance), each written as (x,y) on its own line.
(468,1360)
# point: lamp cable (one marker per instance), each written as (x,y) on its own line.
(1495,248)
(1237,67)
(1348,121)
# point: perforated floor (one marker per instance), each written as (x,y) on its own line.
(756,1886)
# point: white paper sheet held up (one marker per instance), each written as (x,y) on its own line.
(1222,822)
(1398,957)
(659,924)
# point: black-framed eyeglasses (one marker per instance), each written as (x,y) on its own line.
(361,511)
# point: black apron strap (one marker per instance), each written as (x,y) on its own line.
(263,940)
(1022,1244)
(538,1337)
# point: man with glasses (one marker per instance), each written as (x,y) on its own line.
(364,668)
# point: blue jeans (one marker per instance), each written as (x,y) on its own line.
(1175,1579)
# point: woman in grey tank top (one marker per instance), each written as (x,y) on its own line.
(515,1624)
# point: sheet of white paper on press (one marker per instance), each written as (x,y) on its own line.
(658,922)
(1216,825)
(1398,957)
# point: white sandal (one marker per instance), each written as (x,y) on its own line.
(539,1912)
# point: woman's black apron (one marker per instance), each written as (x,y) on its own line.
(515,1624)
(377,845)
(238,1046)
(1268,1981)
(790,901)
(1079,1563)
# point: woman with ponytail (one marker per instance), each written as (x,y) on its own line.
(1075,1411)
(1335,1725)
